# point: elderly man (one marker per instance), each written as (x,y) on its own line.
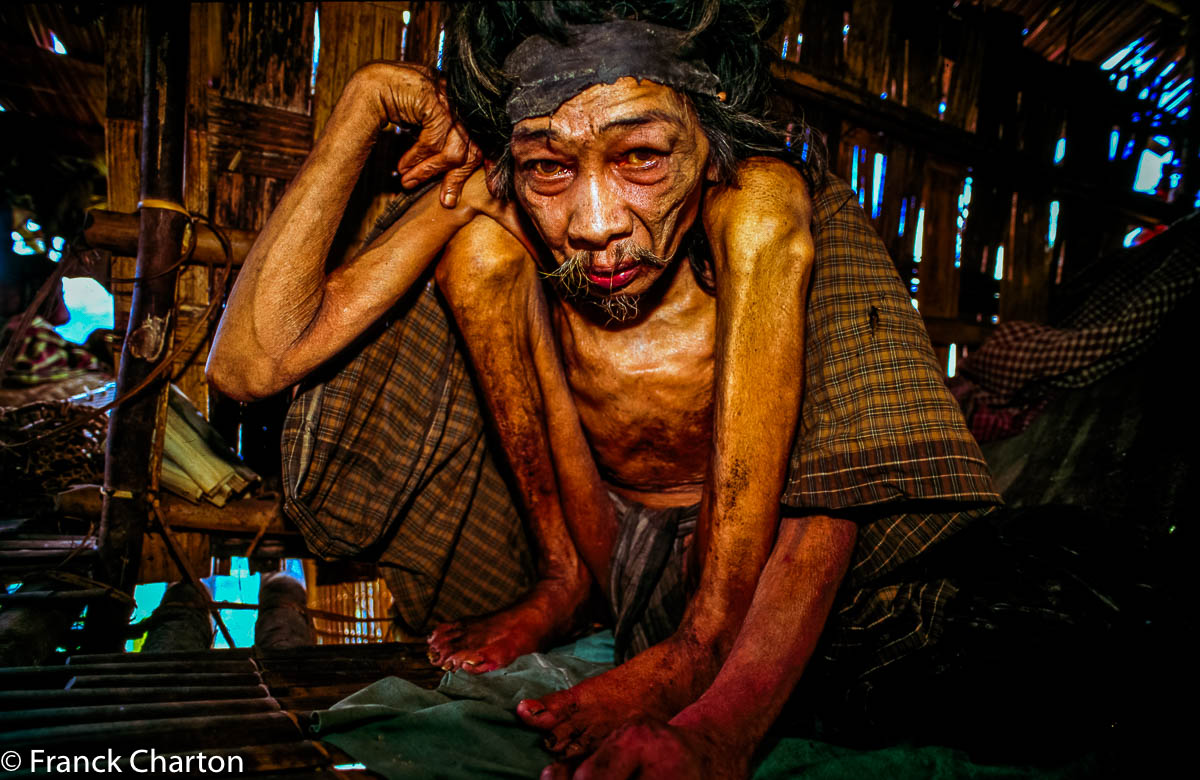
(733,435)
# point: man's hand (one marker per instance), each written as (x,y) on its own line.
(651,749)
(406,95)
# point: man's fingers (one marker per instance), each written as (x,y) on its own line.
(431,156)
(453,153)
(455,179)
(429,145)
(612,761)
(556,771)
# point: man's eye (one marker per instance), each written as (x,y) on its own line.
(546,167)
(639,158)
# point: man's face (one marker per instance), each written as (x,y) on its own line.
(614,171)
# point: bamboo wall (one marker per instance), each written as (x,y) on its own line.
(253,113)
(950,93)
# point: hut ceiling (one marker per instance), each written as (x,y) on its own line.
(1092,30)
(62,97)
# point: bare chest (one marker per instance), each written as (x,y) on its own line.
(644,395)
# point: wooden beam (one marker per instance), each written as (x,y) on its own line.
(117,231)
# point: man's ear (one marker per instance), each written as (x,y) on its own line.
(490,177)
(710,171)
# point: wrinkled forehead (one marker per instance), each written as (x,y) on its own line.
(607,109)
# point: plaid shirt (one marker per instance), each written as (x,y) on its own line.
(877,427)
(1006,383)
(385,453)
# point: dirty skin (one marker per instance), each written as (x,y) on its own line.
(655,684)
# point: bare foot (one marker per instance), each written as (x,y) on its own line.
(656,684)
(488,642)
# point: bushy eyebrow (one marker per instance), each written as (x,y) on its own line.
(544,133)
(523,134)
(645,118)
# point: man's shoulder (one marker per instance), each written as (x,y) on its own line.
(767,206)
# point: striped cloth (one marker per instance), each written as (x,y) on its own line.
(649,584)
(44,356)
(385,454)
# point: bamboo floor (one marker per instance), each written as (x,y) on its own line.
(250,703)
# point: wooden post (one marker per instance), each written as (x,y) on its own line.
(132,426)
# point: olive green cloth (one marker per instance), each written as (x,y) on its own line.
(467,729)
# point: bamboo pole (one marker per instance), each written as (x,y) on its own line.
(132,426)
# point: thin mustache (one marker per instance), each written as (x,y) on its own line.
(572,273)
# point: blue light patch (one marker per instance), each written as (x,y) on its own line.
(1114,143)
(1149,171)
(877,184)
(316,52)
(919,239)
(1052,229)
(90,307)
(56,44)
(1060,150)
(1116,59)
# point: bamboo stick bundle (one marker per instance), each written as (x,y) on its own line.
(197,463)
(175,479)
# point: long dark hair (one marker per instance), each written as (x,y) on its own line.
(727,35)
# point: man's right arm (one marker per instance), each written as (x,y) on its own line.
(286,315)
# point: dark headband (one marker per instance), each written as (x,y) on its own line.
(548,74)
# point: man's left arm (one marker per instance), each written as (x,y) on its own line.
(763,256)
(765,590)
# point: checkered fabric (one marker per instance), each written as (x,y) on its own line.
(385,458)
(1124,301)
(878,426)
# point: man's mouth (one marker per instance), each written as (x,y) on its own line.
(613,278)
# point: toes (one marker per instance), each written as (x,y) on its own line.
(466,661)
(535,713)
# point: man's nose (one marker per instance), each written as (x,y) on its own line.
(598,215)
